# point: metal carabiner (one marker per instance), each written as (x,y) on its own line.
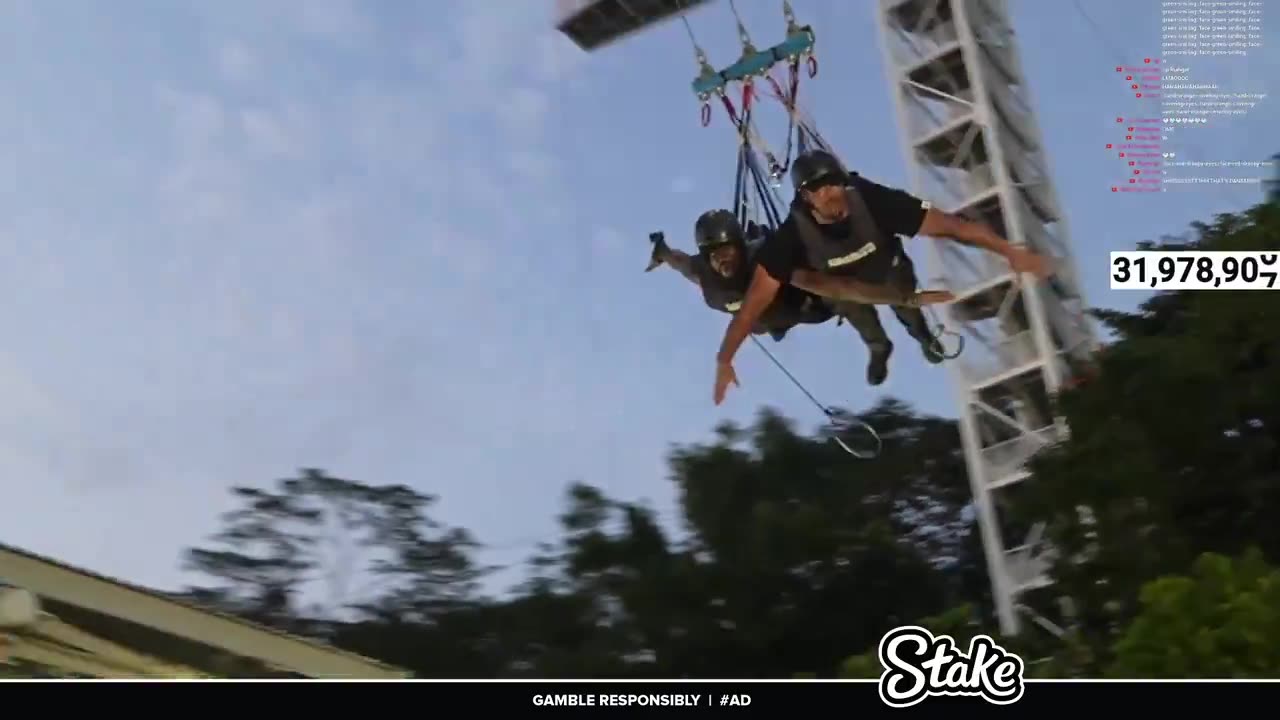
(942,330)
(938,330)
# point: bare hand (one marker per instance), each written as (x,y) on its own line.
(724,376)
(1025,261)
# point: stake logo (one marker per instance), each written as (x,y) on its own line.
(917,665)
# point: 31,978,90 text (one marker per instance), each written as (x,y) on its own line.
(1195,270)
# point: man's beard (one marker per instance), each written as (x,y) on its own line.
(840,216)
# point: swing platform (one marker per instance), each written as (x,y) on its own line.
(593,24)
(798,43)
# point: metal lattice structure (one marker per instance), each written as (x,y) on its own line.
(973,147)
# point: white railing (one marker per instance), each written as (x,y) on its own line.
(1010,352)
(1007,458)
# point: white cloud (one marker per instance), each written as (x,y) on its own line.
(340,21)
(237,63)
(608,241)
(532,165)
(265,131)
(522,113)
(198,118)
(44,436)
(321,264)
(558,57)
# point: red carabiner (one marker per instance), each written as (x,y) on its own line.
(706,114)
(728,107)
(813,66)
(777,89)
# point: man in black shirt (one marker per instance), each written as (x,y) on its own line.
(841,242)
(722,270)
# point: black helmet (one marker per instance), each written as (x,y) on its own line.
(815,165)
(717,227)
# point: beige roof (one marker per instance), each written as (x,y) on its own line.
(52,580)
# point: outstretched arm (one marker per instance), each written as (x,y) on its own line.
(946,225)
(682,263)
(843,288)
(905,214)
(679,261)
(760,295)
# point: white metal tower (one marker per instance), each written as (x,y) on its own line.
(973,147)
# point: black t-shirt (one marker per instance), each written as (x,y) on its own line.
(719,290)
(896,212)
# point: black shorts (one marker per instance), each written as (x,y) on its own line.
(796,309)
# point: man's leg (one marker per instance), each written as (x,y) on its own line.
(779,319)
(913,318)
(866,321)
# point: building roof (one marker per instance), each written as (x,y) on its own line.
(162,625)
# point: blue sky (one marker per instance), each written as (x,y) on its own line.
(403,242)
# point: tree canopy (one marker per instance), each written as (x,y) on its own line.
(1175,443)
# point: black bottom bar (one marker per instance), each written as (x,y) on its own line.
(730,699)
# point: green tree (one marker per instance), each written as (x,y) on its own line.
(790,554)
(319,547)
(1222,621)
(959,623)
(1175,443)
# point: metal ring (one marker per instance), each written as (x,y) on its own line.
(843,425)
(942,330)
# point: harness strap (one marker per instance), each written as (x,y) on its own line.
(866,228)
(864,224)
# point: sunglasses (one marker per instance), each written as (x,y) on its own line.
(828,180)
